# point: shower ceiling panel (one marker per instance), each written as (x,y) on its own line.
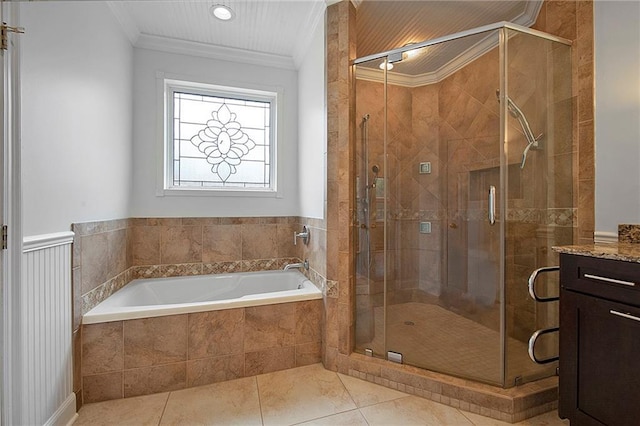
(281,29)
(385,25)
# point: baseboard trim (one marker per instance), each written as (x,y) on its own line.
(65,415)
(603,237)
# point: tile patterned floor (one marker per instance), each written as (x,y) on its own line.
(307,395)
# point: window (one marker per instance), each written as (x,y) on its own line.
(219,139)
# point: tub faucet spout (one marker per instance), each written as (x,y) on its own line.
(299,265)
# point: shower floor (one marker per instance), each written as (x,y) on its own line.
(434,338)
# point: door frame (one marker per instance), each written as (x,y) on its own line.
(12,396)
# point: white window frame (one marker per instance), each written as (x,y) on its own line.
(167,85)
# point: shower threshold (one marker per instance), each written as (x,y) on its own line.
(508,405)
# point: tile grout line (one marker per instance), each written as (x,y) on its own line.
(465,416)
(164,408)
(259,399)
(347,390)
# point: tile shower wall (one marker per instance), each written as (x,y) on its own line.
(574,20)
(109,254)
(339,323)
(137,357)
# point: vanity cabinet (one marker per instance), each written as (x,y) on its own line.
(599,376)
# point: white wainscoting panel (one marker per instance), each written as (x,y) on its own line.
(47,352)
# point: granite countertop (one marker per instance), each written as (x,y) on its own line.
(627,252)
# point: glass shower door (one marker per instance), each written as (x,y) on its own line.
(539,205)
(370,233)
(443,256)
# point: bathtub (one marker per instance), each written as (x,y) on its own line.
(154,297)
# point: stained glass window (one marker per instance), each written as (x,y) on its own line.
(220,140)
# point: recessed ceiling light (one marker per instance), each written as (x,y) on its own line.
(389,65)
(222,12)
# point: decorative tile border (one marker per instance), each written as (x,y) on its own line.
(100,293)
(566,217)
(332,289)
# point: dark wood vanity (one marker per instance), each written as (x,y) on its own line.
(600,335)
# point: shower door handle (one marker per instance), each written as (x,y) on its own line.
(492,205)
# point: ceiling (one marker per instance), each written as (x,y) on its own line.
(278,32)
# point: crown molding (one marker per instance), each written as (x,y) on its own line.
(315,18)
(204,50)
(457,63)
(468,56)
(127,24)
(527,18)
(530,14)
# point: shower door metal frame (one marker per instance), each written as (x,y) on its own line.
(397,53)
(503,53)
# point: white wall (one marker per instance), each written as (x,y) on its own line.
(148,137)
(76,115)
(312,127)
(617,120)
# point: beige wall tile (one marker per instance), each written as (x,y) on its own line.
(271,326)
(180,244)
(259,241)
(308,353)
(586,157)
(117,249)
(561,18)
(269,360)
(216,333)
(102,349)
(102,387)
(154,341)
(284,239)
(76,342)
(148,380)
(308,321)
(76,294)
(145,243)
(222,243)
(95,270)
(213,370)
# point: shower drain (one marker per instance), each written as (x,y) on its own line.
(409,323)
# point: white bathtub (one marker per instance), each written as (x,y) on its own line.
(155,297)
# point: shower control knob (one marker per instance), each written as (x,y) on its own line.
(452,225)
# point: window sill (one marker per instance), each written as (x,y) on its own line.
(196,192)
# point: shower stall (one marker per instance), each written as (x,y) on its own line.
(463,183)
